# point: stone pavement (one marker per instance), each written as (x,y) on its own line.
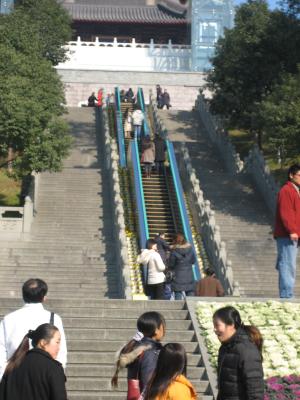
(244,220)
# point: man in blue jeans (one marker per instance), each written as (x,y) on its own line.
(287,231)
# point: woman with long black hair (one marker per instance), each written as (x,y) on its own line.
(169,380)
(35,374)
(240,371)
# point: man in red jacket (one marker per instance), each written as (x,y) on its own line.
(287,231)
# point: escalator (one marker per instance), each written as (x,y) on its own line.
(160,205)
(159,200)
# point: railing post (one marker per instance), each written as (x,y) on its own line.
(28,214)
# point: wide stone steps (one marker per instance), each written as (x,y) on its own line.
(107,371)
(97,329)
(71,246)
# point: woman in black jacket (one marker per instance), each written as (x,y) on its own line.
(181,261)
(240,371)
(35,374)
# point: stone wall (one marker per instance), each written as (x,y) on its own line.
(183,87)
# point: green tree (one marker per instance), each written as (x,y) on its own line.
(31,104)
(280,114)
(37,26)
(248,60)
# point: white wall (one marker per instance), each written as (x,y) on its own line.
(127,56)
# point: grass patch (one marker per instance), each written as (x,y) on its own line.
(243,141)
(10,190)
(279,172)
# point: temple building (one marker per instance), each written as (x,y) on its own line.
(142,20)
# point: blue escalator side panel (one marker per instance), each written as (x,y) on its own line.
(120,129)
(139,194)
(181,204)
(117,99)
(141,103)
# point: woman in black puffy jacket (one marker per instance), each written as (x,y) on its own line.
(240,372)
(181,262)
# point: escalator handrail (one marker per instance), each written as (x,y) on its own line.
(120,129)
(139,193)
(181,204)
(117,99)
(141,103)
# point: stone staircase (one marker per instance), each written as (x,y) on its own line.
(244,220)
(71,246)
(71,242)
(97,329)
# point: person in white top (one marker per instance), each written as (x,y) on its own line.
(154,267)
(138,118)
(16,325)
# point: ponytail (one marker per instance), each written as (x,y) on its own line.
(18,355)
(255,336)
(126,349)
(147,324)
(43,332)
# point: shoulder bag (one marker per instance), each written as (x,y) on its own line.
(134,392)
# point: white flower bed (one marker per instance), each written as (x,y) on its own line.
(279,324)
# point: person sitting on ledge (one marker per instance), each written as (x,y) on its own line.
(92,100)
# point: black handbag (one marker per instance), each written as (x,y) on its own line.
(170,276)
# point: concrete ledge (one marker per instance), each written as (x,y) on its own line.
(193,79)
(211,375)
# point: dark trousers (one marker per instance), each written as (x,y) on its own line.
(156,292)
(159,166)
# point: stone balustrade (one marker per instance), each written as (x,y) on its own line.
(255,165)
(112,166)
(119,56)
(217,135)
(15,221)
(210,231)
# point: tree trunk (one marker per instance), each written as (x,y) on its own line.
(10,157)
(258,138)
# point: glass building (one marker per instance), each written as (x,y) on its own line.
(6,6)
(209,18)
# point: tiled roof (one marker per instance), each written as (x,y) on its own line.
(129,14)
(101,3)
